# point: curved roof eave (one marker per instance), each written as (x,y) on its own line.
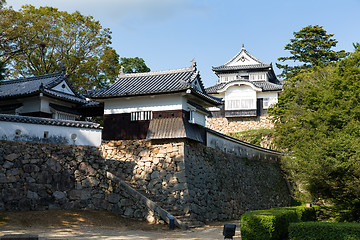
(238,83)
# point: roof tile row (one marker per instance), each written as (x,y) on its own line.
(48,121)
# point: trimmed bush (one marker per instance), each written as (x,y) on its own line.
(324,231)
(272,224)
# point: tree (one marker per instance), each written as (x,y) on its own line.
(321,127)
(311,46)
(133,65)
(37,41)
(2,4)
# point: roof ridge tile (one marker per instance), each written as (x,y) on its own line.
(127,75)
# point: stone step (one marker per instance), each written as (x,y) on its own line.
(189,222)
(160,201)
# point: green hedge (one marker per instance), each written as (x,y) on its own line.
(324,231)
(272,224)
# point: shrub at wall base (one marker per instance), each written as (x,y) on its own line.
(272,224)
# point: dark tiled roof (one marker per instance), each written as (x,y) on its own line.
(208,97)
(200,107)
(35,85)
(268,86)
(264,85)
(64,96)
(135,84)
(31,85)
(148,83)
(48,121)
(241,67)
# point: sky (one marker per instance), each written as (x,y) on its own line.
(168,34)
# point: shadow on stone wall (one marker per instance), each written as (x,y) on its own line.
(184,177)
(37,176)
(224,186)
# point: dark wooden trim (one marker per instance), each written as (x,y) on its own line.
(38,114)
(120,127)
(241,113)
(168,114)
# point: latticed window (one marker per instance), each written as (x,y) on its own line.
(239,104)
(143,115)
(64,116)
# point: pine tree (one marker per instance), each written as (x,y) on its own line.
(311,46)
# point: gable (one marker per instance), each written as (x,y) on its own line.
(243,58)
(64,87)
(196,84)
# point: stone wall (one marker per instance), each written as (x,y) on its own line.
(157,168)
(189,178)
(36,176)
(227,125)
(223,186)
(183,176)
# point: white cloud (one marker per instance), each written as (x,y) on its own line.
(127,12)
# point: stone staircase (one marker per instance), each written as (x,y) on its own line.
(142,198)
(181,216)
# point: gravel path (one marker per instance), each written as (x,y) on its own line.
(87,225)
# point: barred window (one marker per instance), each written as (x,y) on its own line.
(144,115)
(64,116)
(239,104)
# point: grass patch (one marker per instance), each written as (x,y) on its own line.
(261,137)
(324,231)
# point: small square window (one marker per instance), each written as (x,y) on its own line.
(46,134)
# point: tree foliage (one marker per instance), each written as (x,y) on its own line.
(320,125)
(2,4)
(37,41)
(134,65)
(311,46)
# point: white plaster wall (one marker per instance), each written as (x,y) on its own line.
(235,147)
(145,103)
(198,118)
(45,101)
(267,94)
(38,103)
(238,92)
(56,134)
(273,96)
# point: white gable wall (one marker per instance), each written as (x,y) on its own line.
(63,87)
(242,59)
